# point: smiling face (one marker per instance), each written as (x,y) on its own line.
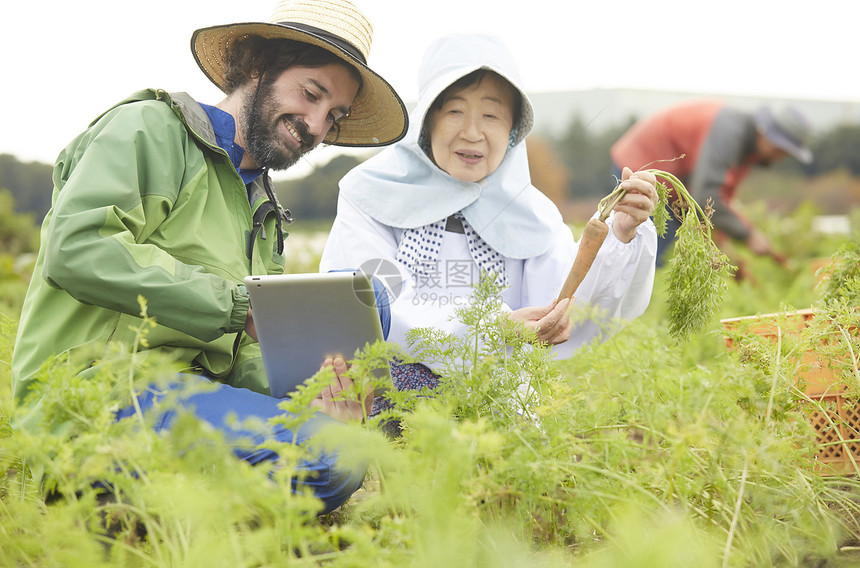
(289,116)
(469,128)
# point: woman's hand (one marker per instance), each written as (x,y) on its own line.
(551,323)
(635,207)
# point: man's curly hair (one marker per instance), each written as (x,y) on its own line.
(270,57)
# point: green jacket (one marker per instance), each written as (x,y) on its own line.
(146,203)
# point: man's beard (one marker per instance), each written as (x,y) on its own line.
(262,141)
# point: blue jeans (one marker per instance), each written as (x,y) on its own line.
(329,480)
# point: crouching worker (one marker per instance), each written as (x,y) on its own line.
(169,199)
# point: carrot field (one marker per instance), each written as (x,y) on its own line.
(643,451)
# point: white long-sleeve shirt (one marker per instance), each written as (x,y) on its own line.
(619,282)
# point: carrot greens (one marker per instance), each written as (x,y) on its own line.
(696,284)
(637,451)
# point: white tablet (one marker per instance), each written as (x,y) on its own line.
(301,319)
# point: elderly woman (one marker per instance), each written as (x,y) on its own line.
(454,198)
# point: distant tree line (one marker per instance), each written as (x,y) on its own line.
(576,164)
(18,231)
(573,164)
(29,184)
(315,195)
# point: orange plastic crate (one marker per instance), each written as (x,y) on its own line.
(834,416)
(836,420)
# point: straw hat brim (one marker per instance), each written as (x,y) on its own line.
(377,116)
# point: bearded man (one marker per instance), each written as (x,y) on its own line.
(169,199)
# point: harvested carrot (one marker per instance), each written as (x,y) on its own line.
(592,238)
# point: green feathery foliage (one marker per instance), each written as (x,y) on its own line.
(697,269)
(638,451)
(840,279)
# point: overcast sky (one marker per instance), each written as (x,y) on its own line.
(65,62)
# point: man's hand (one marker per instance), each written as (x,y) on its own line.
(335,403)
(759,243)
(250,328)
(550,323)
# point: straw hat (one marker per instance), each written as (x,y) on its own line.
(377,116)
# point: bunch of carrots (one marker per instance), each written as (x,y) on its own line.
(696,283)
